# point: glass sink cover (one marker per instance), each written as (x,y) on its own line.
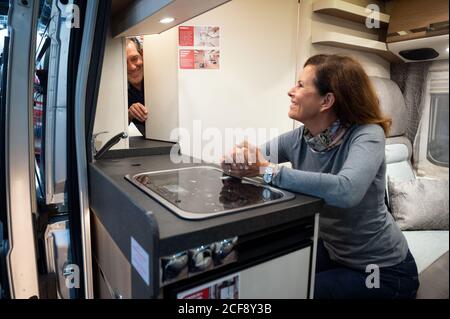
(204,191)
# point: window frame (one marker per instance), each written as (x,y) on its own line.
(436,82)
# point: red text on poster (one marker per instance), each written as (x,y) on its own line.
(186,36)
(187,59)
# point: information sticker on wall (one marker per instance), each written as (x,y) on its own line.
(199,59)
(186,36)
(199,47)
(199,36)
(187,59)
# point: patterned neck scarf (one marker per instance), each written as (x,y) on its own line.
(328,139)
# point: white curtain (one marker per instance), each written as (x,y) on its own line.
(437,87)
(411,78)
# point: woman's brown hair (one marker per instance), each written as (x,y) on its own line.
(355,99)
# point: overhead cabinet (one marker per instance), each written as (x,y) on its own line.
(414,19)
(141,17)
(418,30)
(355,13)
(348,11)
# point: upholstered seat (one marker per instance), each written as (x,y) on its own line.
(427,246)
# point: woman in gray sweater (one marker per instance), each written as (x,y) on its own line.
(339,156)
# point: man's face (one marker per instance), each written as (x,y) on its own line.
(134,65)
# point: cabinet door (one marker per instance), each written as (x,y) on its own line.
(286,277)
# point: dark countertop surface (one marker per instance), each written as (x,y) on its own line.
(177,234)
(139,146)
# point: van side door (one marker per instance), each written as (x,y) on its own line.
(18,165)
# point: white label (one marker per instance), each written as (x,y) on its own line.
(140,260)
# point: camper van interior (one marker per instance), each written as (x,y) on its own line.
(119,120)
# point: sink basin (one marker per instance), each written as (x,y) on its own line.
(204,191)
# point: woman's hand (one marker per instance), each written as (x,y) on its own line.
(137,111)
(245,160)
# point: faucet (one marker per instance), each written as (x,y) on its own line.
(110,143)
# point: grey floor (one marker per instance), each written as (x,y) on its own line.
(434,280)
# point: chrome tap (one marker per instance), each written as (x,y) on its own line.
(110,143)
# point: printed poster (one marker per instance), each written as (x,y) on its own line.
(199,47)
(199,36)
(199,59)
(187,59)
(186,36)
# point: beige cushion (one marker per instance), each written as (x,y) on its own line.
(419,204)
(401,140)
(392,104)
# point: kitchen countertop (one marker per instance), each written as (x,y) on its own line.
(173,233)
(139,146)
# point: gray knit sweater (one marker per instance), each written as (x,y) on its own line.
(355,224)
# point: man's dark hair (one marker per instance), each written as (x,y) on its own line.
(137,43)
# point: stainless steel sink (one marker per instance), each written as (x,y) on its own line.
(204,191)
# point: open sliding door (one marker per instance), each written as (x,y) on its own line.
(18,165)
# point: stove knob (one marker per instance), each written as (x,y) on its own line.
(173,266)
(200,259)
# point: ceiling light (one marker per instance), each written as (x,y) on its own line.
(447,50)
(167,20)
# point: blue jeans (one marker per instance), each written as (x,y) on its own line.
(335,281)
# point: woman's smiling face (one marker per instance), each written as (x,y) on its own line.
(305,98)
